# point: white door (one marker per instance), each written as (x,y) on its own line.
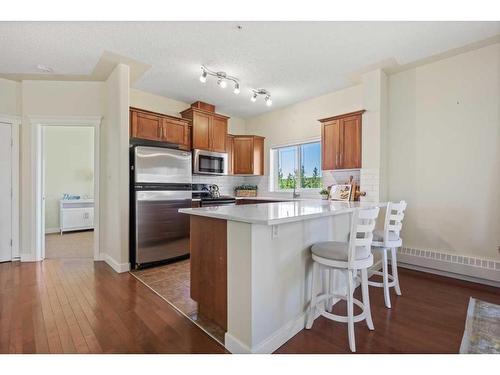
(5,192)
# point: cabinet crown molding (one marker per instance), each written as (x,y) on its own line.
(356,113)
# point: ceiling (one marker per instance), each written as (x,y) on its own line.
(293,60)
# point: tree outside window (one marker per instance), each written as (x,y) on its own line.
(300,166)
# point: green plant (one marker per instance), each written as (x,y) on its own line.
(246,187)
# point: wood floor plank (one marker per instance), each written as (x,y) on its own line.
(79,306)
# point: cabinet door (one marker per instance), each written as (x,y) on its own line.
(350,154)
(243,155)
(174,131)
(145,126)
(201,130)
(218,134)
(258,156)
(330,142)
(230,153)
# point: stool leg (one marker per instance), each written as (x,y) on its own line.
(366,299)
(329,301)
(350,311)
(312,306)
(387,296)
(394,267)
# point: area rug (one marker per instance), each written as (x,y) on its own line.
(482,328)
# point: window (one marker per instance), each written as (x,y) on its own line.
(298,164)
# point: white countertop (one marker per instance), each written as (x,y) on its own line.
(279,212)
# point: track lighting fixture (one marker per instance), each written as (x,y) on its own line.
(267,94)
(222,78)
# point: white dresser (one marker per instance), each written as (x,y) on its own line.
(76,214)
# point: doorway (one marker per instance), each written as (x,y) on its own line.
(9,199)
(66,167)
(68,191)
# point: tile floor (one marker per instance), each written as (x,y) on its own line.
(172,282)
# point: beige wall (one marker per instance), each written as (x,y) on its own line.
(161,104)
(300,121)
(10,97)
(444,152)
(114,171)
(69,167)
(47,98)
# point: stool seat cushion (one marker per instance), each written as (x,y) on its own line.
(337,250)
(378,235)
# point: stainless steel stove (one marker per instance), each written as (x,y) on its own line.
(209,195)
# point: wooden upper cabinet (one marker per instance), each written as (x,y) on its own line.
(350,156)
(218,134)
(159,127)
(209,129)
(341,141)
(330,144)
(174,131)
(230,153)
(248,155)
(145,126)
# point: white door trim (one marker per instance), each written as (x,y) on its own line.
(37,122)
(15,122)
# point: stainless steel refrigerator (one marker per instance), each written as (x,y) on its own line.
(160,185)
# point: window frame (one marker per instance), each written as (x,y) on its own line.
(274,166)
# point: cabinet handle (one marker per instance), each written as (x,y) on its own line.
(158,131)
(341,157)
(337,159)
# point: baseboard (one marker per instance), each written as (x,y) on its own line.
(270,344)
(118,267)
(52,230)
(477,270)
(28,258)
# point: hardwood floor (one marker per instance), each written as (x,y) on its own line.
(78,306)
(428,318)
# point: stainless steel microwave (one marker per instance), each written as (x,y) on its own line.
(209,162)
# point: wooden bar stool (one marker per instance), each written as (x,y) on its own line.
(348,257)
(388,240)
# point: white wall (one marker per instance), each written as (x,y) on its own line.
(161,104)
(69,167)
(444,153)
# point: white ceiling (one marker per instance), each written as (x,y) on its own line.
(293,60)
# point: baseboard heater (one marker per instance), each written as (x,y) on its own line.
(472,269)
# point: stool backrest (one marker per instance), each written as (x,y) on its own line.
(394,215)
(361,235)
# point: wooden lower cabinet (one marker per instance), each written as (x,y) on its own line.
(248,155)
(208,246)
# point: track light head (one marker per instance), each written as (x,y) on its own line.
(254,97)
(222,83)
(268,100)
(203,77)
(236,88)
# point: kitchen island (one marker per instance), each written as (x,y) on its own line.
(250,266)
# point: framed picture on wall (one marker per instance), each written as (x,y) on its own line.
(341,192)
